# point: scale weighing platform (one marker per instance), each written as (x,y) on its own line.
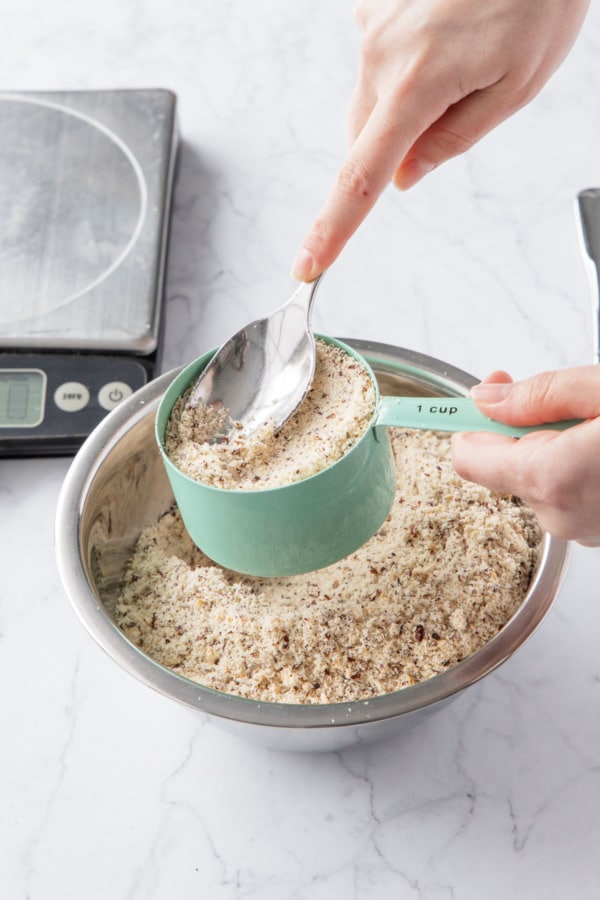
(86,179)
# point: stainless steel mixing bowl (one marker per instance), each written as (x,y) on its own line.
(117,485)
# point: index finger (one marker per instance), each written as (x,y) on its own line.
(368,169)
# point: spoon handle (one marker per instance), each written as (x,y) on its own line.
(452,414)
(304,296)
(589,234)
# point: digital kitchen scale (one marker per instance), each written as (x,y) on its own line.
(85,188)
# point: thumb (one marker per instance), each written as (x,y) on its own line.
(547,397)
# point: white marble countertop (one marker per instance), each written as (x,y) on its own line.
(111,791)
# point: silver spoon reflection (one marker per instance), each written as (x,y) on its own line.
(263,372)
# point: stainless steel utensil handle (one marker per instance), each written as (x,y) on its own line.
(589,220)
(304,296)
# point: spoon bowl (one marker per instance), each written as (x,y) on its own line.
(263,372)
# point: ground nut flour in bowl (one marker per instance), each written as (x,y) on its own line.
(334,415)
(446,571)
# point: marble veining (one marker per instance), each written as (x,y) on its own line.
(109,790)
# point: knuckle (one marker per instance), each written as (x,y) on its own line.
(521,85)
(354,181)
(524,95)
(369,16)
(451,143)
(321,230)
(556,493)
(370,48)
(541,390)
(360,14)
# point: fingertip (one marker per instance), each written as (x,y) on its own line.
(410,172)
(489,392)
(498,376)
(305,267)
(399,182)
(320,248)
(482,439)
(461,453)
(483,458)
(457,439)
(463,447)
(470,447)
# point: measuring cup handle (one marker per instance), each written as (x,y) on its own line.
(452,414)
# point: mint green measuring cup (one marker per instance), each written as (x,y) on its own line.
(315,522)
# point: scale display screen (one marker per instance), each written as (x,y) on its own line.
(22,395)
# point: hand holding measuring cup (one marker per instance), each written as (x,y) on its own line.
(557,474)
(314,522)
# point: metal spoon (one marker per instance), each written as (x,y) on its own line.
(264,371)
(588,202)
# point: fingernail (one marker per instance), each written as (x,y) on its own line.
(303,268)
(491,393)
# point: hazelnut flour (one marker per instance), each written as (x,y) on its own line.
(445,572)
(332,417)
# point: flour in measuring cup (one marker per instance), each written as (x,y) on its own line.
(333,416)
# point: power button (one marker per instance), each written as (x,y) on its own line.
(113,393)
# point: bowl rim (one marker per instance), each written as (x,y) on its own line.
(70,557)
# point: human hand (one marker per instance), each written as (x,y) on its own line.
(434,77)
(556,472)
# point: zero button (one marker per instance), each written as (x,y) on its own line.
(71,396)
